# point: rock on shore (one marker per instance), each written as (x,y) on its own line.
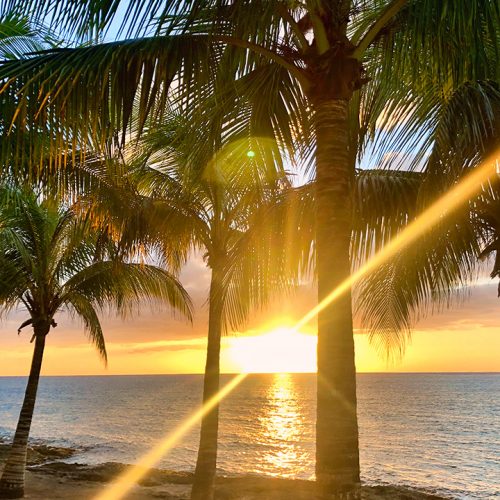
(48,477)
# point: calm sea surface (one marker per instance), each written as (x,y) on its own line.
(435,431)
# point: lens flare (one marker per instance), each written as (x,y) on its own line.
(123,483)
(449,202)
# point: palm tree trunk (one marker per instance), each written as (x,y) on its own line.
(12,481)
(337,452)
(204,476)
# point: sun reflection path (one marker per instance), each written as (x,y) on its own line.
(282,427)
(449,202)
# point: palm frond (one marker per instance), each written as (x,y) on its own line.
(126,286)
(384,203)
(91,19)
(94,88)
(273,254)
(83,309)
(424,278)
(424,97)
(19,37)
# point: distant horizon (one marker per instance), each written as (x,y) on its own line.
(268,425)
(260,373)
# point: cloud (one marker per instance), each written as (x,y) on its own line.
(167,345)
(195,277)
(480,309)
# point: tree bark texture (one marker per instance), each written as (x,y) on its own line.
(204,476)
(337,450)
(12,481)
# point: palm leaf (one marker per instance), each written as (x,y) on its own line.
(126,286)
(82,308)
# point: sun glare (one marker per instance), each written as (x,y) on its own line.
(286,349)
(282,350)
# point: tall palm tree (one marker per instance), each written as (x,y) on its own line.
(51,260)
(224,190)
(334,74)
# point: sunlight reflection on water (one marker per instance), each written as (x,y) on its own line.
(282,425)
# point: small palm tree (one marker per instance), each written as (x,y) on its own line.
(223,190)
(52,259)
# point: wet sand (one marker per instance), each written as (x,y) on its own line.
(48,477)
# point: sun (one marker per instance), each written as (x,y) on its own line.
(281,350)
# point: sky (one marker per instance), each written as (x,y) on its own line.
(465,338)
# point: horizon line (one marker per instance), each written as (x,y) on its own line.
(263,373)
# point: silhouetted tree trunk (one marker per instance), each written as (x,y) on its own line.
(204,476)
(12,481)
(337,452)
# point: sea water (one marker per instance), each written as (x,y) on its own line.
(439,432)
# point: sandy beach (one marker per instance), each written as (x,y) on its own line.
(49,477)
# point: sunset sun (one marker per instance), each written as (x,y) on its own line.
(279,350)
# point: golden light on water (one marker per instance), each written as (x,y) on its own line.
(449,202)
(282,425)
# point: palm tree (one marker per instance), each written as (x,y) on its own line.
(52,259)
(224,192)
(323,78)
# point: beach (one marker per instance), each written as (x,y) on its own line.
(49,477)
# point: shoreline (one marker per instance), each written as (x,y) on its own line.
(49,477)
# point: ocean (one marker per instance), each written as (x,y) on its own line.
(439,432)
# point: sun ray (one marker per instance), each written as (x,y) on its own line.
(449,202)
(124,482)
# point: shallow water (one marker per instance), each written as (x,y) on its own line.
(440,432)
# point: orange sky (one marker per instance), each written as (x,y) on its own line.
(466,338)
